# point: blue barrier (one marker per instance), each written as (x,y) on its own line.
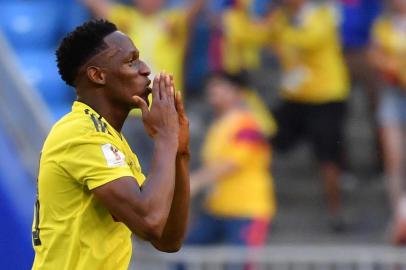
(17,193)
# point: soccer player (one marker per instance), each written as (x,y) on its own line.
(92,193)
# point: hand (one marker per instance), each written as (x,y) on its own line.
(184,135)
(162,119)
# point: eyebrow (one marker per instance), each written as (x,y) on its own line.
(134,54)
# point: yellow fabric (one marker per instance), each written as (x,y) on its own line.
(242,41)
(393,41)
(390,36)
(260,111)
(160,38)
(310,53)
(247,192)
(75,230)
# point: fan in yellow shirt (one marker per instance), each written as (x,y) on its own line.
(307,43)
(236,157)
(314,86)
(241,44)
(243,38)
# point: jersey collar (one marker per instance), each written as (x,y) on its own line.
(84,108)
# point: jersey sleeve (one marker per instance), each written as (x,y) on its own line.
(93,160)
(246,143)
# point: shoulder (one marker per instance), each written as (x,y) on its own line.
(249,130)
(245,118)
(383,21)
(236,121)
(382,26)
(75,128)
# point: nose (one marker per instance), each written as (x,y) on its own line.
(145,70)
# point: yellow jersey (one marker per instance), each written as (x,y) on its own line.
(310,52)
(247,192)
(260,111)
(242,41)
(161,38)
(71,229)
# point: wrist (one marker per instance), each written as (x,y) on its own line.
(168,141)
(183,154)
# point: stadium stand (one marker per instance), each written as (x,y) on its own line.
(33,29)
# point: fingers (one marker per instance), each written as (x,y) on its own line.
(141,104)
(162,87)
(155,87)
(166,89)
(173,90)
(170,90)
(179,104)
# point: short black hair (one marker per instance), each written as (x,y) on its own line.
(80,45)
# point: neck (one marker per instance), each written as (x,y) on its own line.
(114,115)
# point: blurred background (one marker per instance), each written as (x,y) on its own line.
(297,111)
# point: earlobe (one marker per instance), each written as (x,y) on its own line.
(96,75)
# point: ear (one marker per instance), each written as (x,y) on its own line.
(96,75)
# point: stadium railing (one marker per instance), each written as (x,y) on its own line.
(276,257)
(24,115)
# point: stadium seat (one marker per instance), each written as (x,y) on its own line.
(32,24)
(40,69)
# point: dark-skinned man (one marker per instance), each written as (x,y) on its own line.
(92,193)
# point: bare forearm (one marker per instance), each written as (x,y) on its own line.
(158,190)
(176,224)
(207,175)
